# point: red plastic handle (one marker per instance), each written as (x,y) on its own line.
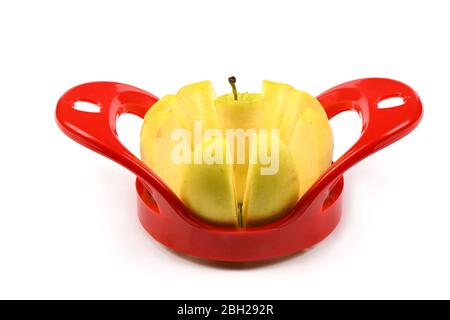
(381,127)
(97,130)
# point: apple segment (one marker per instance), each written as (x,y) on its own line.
(156,142)
(208,188)
(304,127)
(294,107)
(193,102)
(162,104)
(311,146)
(276,97)
(267,196)
(197,104)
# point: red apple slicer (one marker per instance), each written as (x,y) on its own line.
(313,218)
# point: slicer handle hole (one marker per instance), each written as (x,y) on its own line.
(391,102)
(86,106)
(347,127)
(128,129)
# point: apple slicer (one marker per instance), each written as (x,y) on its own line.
(167,219)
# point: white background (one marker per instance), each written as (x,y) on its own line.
(68,227)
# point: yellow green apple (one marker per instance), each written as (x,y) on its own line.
(240,159)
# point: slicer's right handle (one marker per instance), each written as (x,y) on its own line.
(381,127)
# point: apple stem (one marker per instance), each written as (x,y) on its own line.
(232,81)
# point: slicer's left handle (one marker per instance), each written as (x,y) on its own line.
(97,130)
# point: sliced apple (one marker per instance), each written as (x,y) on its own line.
(239,194)
(295,105)
(276,98)
(267,196)
(157,143)
(208,188)
(311,146)
(304,127)
(197,103)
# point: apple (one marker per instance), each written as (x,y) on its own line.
(240,159)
